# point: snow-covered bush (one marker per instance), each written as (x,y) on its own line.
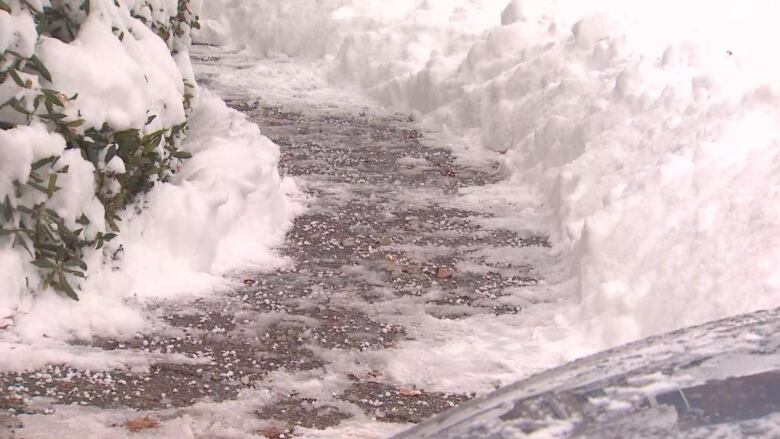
(94,96)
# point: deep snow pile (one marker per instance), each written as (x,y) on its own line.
(652,129)
(94,100)
(225,210)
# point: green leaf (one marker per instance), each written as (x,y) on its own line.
(19,240)
(52,95)
(76,263)
(83,220)
(35,177)
(43,263)
(75,273)
(110,153)
(38,187)
(50,248)
(17,79)
(7,209)
(4,7)
(65,287)
(91,154)
(26,210)
(176,129)
(52,185)
(16,105)
(182,155)
(40,68)
(54,116)
(42,162)
(75,123)
(54,215)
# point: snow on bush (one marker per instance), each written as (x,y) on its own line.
(101,196)
(224,210)
(652,129)
(93,111)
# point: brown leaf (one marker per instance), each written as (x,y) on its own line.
(444,272)
(409,391)
(274,432)
(138,424)
(250,282)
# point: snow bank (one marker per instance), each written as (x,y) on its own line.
(121,82)
(226,210)
(301,28)
(652,129)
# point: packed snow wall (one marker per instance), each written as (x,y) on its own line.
(651,128)
(119,178)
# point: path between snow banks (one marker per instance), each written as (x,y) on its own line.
(413,285)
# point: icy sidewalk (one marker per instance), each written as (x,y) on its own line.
(415,282)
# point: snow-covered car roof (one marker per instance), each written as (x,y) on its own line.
(720,379)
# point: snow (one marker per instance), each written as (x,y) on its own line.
(655,151)
(25,145)
(77,195)
(645,135)
(44,354)
(230,419)
(111,85)
(22,146)
(223,211)
(18,33)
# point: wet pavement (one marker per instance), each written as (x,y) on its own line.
(367,238)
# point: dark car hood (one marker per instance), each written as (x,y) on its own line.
(720,379)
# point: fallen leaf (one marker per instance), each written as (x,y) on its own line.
(274,433)
(250,282)
(138,424)
(409,391)
(444,272)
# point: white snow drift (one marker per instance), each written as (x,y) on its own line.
(652,128)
